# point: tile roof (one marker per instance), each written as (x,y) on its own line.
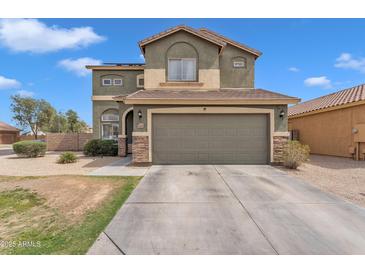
(220,94)
(169,31)
(6,127)
(342,97)
(203,33)
(229,41)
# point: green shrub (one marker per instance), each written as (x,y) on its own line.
(67,158)
(98,147)
(295,154)
(30,149)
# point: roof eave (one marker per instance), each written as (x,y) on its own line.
(204,101)
(143,44)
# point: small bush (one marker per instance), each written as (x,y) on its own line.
(295,154)
(67,158)
(30,149)
(98,147)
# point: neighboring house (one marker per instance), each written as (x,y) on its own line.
(333,124)
(192,102)
(8,133)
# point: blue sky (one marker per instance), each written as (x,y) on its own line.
(301,57)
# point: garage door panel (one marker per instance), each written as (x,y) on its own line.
(210,138)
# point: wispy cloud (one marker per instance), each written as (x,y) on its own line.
(32,35)
(321,81)
(141,57)
(294,69)
(347,61)
(6,83)
(77,66)
(25,93)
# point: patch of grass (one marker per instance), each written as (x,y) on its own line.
(18,201)
(57,236)
(17,178)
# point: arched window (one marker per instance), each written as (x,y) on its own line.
(182,62)
(110,124)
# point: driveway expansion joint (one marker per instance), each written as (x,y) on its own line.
(111,240)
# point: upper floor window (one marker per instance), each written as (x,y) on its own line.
(239,62)
(182,69)
(118,82)
(140,81)
(112,81)
(107,82)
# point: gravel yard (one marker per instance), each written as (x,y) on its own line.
(12,165)
(341,176)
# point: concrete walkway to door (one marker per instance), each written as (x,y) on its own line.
(231,210)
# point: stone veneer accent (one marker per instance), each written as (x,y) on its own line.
(140,149)
(279,142)
(122,146)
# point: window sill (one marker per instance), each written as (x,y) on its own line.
(181,84)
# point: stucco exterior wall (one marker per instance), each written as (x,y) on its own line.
(231,77)
(280,124)
(129,82)
(181,45)
(98,108)
(329,133)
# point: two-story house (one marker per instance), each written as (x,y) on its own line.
(192,102)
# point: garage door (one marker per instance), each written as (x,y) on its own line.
(210,139)
(7,138)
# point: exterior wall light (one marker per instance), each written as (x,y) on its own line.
(354,130)
(140,114)
(281,114)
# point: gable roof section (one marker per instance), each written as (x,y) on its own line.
(6,127)
(190,30)
(231,42)
(328,102)
(228,96)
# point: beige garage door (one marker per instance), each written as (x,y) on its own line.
(210,139)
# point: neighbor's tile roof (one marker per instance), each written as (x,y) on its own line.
(341,97)
(203,33)
(220,94)
(6,127)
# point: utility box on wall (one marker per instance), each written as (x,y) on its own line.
(359,133)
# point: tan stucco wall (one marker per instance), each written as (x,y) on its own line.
(329,133)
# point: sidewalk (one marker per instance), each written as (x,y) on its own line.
(120,168)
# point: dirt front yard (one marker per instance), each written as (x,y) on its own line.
(12,165)
(341,176)
(58,214)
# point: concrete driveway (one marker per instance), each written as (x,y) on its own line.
(231,210)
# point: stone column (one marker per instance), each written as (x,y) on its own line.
(140,149)
(279,141)
(122,145)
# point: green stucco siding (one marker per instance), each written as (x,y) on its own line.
(280,124)
(99,107)
(231,77)
(129,82)
(156,52)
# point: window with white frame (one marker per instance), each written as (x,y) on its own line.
(107,82)
(110,124)
(118,82)
(239,62)
(182,69)
(140,81)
